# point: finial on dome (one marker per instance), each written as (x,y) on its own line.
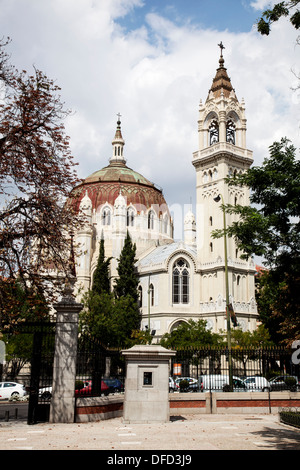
(118,144)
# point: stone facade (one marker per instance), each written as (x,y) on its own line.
(185,279)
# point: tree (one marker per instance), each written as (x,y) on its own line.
(18,304)
(127,282)
(36,176)
(247,345)
(101,279)
(270,228)
(258,338)
(113,317)
(190,334)
(281,9)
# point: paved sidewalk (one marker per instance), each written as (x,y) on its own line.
(187,432)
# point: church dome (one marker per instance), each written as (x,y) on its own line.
(104,186)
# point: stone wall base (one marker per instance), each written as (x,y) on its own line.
(100,408)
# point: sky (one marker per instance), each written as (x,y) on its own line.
(152,61)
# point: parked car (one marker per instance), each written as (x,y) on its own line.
(259,384)
(87,389)
(173,386)
(284,382)
(114,385)
(11,390)
(45,393)
(220,383)
(193,383)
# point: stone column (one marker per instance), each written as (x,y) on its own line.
(62,408)
(146,397)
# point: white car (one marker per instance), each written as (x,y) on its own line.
(11,390)
(259,384)
(172,385)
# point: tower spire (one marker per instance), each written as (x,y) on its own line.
(221,82)
(118,145)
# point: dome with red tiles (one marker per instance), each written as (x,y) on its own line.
(104,186)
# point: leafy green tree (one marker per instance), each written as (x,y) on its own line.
(251,339)
(101,279)
(96,318)
(113,317)
(127,282)
(247,345)
(126,320)
(109,319)
(270,227)
(191,334)
(279,10)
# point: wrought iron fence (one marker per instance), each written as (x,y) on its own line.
(252,369)
(29,361)
(99,371)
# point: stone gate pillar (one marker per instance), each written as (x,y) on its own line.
(146,397)
(62,408)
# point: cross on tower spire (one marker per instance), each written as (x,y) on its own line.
(221,47)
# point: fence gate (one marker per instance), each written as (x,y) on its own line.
(40,388)
(33,344)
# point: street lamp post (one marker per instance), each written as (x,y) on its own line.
(217,199)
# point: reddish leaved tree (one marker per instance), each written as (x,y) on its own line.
(37,173)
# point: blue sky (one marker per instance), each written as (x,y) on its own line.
(235,15)
(153,61)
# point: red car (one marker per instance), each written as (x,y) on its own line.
(87,389)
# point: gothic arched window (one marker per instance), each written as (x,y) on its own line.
(140,297)
(130,218)
(181,282)
(106,216)
(151,220)
(230,132)
(151,294)
(213,132)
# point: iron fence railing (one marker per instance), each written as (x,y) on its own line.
(102,371)
(99,371)
(252,369)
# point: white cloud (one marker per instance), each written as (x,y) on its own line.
(263,4)
(154,76)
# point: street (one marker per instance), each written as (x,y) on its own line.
(13,410)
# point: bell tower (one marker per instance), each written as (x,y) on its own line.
(222,152)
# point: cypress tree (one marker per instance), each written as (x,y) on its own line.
(127,282)
(101,278)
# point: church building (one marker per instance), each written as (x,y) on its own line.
(178,280)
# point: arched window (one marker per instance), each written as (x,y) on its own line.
(151,294)
(106,216)
(140,297)
(213,132)
(230,132)
(130,218)
(181,282)
(151,220)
